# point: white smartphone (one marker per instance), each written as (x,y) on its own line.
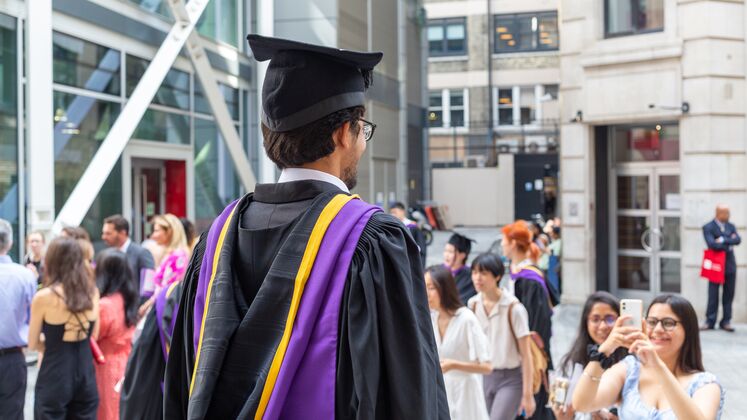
(634,308)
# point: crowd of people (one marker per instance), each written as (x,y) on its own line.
(81,311)
(494,346)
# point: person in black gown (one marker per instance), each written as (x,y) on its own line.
(456,252)
(240,300)
(533,292)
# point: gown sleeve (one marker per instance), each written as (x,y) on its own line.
(534,298)
(388,364)
(181,357)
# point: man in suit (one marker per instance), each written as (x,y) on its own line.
(116,234)
(720,235)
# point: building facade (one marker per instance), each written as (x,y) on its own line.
(493,77)
(653,128)
(177,159)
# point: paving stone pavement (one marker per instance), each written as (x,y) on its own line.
(724,354)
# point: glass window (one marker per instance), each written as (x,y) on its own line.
(447,37)
(526,32)
(154,6)
(527,102)
(629,17)
(216,183)
(167,127)
(456,108)
(174,90)
(505,107)
(552,90)
(9,128)
(230,94)
(220,21)
(435,109)
(85,65)
(107,202)
(81,125)
(646,143)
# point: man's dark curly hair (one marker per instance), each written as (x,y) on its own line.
(310,142)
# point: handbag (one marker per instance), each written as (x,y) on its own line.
(713,266)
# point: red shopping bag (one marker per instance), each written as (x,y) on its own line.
(714,264)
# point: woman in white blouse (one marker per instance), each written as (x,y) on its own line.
(462,346)
(508,388)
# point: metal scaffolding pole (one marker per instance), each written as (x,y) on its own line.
(40,151)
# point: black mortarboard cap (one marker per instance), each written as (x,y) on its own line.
(306,82)
(461,243)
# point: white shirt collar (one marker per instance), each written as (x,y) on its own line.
(301,174)
(125,245)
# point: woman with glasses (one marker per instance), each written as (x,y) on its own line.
(663,377)
(598,317)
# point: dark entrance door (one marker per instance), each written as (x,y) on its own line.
(535,185)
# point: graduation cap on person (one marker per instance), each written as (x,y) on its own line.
(306,82)
(461,243)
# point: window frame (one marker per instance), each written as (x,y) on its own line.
(443,24)
(446,109)
(516,16)
(635,31)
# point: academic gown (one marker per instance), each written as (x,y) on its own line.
(141,396)
(465,287)
(386,363)
(535,298)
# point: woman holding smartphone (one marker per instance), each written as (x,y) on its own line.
(663,378)
(598,317)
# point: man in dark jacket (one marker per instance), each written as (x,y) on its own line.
(720,235)
(116,234)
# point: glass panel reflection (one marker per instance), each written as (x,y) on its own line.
(646,143)
(162,126)
(85,65)
(670,275)
(633,192)
(9,129)
(81,125)
(634,272)
(174,90)
(630,230)
(670,233)
(216,183)
(669,192)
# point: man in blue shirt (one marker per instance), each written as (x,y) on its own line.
(17,287)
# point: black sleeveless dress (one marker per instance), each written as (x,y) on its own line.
(66,385)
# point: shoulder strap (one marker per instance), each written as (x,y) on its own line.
(511,324)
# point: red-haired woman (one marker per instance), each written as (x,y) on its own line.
(532,291)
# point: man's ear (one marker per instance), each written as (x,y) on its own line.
(340,136)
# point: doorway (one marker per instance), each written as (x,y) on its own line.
(645,219)
(160,179)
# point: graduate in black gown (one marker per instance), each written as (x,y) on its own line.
(308,302)
(533,292)
(456,252)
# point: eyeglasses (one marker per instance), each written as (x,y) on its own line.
(368,129)
(667,323)
(608,319)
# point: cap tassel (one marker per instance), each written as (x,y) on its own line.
(367,77)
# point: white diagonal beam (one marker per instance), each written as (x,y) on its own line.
(89,185)
(217,103)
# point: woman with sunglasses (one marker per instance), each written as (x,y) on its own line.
(663,378)
(599,314)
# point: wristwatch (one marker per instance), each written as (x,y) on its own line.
(597,356)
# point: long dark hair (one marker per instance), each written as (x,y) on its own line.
(690,359)
(113,275)
(65,264)
(444,282)
(579,352)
